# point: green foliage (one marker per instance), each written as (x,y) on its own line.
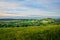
(27,22)
(51,32)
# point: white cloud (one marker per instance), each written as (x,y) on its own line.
(8,5)
(42,13)
(52,5)
(2,13)
(28,10)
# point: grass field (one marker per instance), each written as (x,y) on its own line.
(50,32)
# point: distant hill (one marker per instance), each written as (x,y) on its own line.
(29,17)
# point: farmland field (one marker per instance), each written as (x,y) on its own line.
(30,29)
(28,22)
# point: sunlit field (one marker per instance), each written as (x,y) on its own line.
(50,32)
(30,29)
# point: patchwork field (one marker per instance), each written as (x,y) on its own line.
(28,22)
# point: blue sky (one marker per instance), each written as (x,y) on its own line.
(29,7)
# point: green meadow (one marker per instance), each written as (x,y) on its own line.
(30,29)
(50,32)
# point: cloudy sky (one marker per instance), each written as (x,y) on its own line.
(29,7)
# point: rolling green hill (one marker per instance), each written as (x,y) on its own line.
(28,22)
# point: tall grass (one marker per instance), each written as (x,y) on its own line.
(51,32)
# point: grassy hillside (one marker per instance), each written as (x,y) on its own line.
(51,32)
